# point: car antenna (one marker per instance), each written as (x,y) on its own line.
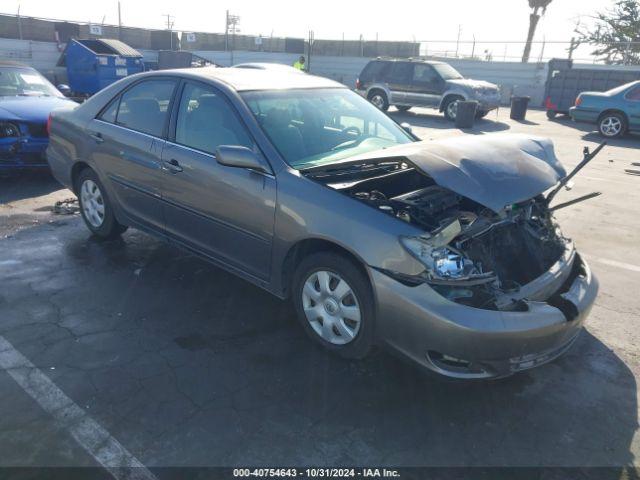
(587,157)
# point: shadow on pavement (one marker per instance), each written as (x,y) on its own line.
(480,126)
(192,366)
(26,184)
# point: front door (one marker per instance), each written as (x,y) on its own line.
(223,212)
(128,137)
(426,86)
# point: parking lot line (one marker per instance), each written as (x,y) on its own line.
(91,436)
(613,263)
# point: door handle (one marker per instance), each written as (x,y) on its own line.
(171,165)
(97,136)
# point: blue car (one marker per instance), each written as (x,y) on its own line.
(26,99)
(615,111)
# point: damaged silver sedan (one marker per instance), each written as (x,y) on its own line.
(447,252)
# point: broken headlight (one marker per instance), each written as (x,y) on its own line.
(9,130)
(441,263)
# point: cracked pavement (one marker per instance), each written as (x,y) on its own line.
(187,365)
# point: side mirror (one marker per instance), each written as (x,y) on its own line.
(407,127)
(240,157)
(64,89)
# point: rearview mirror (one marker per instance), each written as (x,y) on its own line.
(240,157)
(406,127)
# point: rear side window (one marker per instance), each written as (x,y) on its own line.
(144,107)
(206,120)
(401,72)
(374,70)
(634,94)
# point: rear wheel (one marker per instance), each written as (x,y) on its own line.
(334,304)
(379,99)
(612,125)
(95,207)
(450,107)
(403,108)
(481,114)
(551,114)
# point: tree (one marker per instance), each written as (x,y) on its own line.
(616,34)
(536,6)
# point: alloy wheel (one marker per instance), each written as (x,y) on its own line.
(331,307)
(452,109)
(92,203)
(377,100)
(611,126)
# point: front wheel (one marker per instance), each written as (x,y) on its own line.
(612,125)
(451,108)
(334,304)
(403,108)
(95,207)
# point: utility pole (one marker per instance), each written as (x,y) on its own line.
(458,40)
(119,22)
(19,24)
(170,22)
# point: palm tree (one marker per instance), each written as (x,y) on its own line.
(534,17)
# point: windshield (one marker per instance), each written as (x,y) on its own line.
(321,126)
(23,81)
(447,72)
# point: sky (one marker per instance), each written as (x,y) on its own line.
(487,20)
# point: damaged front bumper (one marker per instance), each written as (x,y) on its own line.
(466,342)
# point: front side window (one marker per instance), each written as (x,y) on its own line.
(423,73)
(311,127)
(144,107)
(447,72)
(206,120)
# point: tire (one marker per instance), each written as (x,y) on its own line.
(329,319)
(95,206)
(481,114)
(379,99)
(551,114)
(447,108)
(612,125)
(403,108)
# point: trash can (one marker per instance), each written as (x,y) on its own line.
(466,113)
(519,107)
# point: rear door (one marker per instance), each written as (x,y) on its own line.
(399,81)
(426,86)
(633,102)
(128,137)
(223,212)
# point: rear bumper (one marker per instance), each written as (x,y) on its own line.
(422,325)
(23,153)
(582,115)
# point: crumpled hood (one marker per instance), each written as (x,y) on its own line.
(31,109)
(470,83)
(495,170)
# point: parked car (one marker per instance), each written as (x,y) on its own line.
(26,98)
(421,83)
(615,111)
(445,251)
(278,67)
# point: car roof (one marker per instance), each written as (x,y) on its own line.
(10,63)
(246,79)
(414,60)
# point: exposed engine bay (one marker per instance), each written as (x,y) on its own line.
(474,255)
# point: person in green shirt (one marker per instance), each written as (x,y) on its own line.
(299,64)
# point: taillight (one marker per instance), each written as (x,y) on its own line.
(578,100)
(49,125)
(358,84)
